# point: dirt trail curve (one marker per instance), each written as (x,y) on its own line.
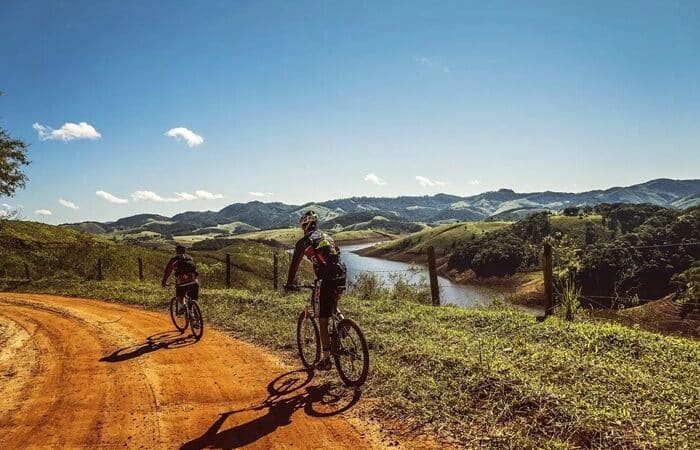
(86,373)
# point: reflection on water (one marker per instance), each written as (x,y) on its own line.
(458,294)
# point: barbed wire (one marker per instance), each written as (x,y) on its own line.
(635,247)
(383,271)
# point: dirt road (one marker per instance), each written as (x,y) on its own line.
(86,373)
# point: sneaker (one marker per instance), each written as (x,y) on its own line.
(324,364)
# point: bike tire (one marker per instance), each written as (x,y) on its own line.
(308,358)
(357,338)
(196,319)
(173,316)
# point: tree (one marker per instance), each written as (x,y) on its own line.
(13,156)
(571,211)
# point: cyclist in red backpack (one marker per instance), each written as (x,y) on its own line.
(324,254)
(186,277)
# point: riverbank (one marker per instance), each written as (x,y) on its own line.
(388,273)
(522,289)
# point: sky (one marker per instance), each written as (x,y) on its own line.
(168,106)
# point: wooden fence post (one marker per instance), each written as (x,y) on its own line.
(26,271)
(228,270)
(548,277)
(99,268)
(140,269)
(275,270)
(432,270)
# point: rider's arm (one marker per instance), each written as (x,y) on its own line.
(296,261)
(168,270)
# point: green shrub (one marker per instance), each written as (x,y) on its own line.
(367,286)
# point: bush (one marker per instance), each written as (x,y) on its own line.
(367,286)
(502,256)
(403,289)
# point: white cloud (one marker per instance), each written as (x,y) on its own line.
(192,138)
(150,196)
(475,182)
(185,196)
(427,62)
(206,195)
(427,182)
(179,196)
(42,212)
(67,204)
(374,179)
(67,132)
(261,194)
(111,198)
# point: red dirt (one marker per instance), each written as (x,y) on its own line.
(86,373)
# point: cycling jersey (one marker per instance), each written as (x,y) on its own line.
(185,271)
(323,253)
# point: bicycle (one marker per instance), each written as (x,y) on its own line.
(348,344)
(191,316)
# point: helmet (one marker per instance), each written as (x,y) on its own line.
(180,249)
(308,220)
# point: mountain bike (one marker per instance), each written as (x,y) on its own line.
(348,344)
(191,316)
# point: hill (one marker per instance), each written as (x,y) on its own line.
(63,253)
(344,214)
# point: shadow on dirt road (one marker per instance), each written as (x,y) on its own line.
(159,341)
(322,400)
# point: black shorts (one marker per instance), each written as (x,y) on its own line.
(328,296)
(191,290)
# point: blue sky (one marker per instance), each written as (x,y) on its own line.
(304,100)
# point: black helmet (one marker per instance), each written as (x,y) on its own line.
(180,249)
(308,220)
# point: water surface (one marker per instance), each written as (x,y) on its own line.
(450,293)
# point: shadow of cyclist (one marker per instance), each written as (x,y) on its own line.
(279,406)
(166,340)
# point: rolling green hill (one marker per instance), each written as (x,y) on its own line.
(62,253)
(443,238)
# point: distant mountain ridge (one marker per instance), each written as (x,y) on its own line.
(354,211)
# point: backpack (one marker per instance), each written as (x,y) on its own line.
(185,264)
(333,268)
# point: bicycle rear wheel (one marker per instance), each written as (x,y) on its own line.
(196,321)
(351,353)
(180,321)
(308,340)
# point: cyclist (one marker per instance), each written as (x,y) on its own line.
(186,277)
(324,254)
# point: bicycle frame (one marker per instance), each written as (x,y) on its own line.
(315,303)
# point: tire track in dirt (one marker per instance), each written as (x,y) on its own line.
(86,373)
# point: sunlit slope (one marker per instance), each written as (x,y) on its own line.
(59,252)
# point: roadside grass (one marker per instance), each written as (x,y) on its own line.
(487,378)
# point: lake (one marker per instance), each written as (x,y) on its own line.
(450,293)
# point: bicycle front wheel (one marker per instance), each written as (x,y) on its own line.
(196,321)
(308,340)
(351,354)
(180,321)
